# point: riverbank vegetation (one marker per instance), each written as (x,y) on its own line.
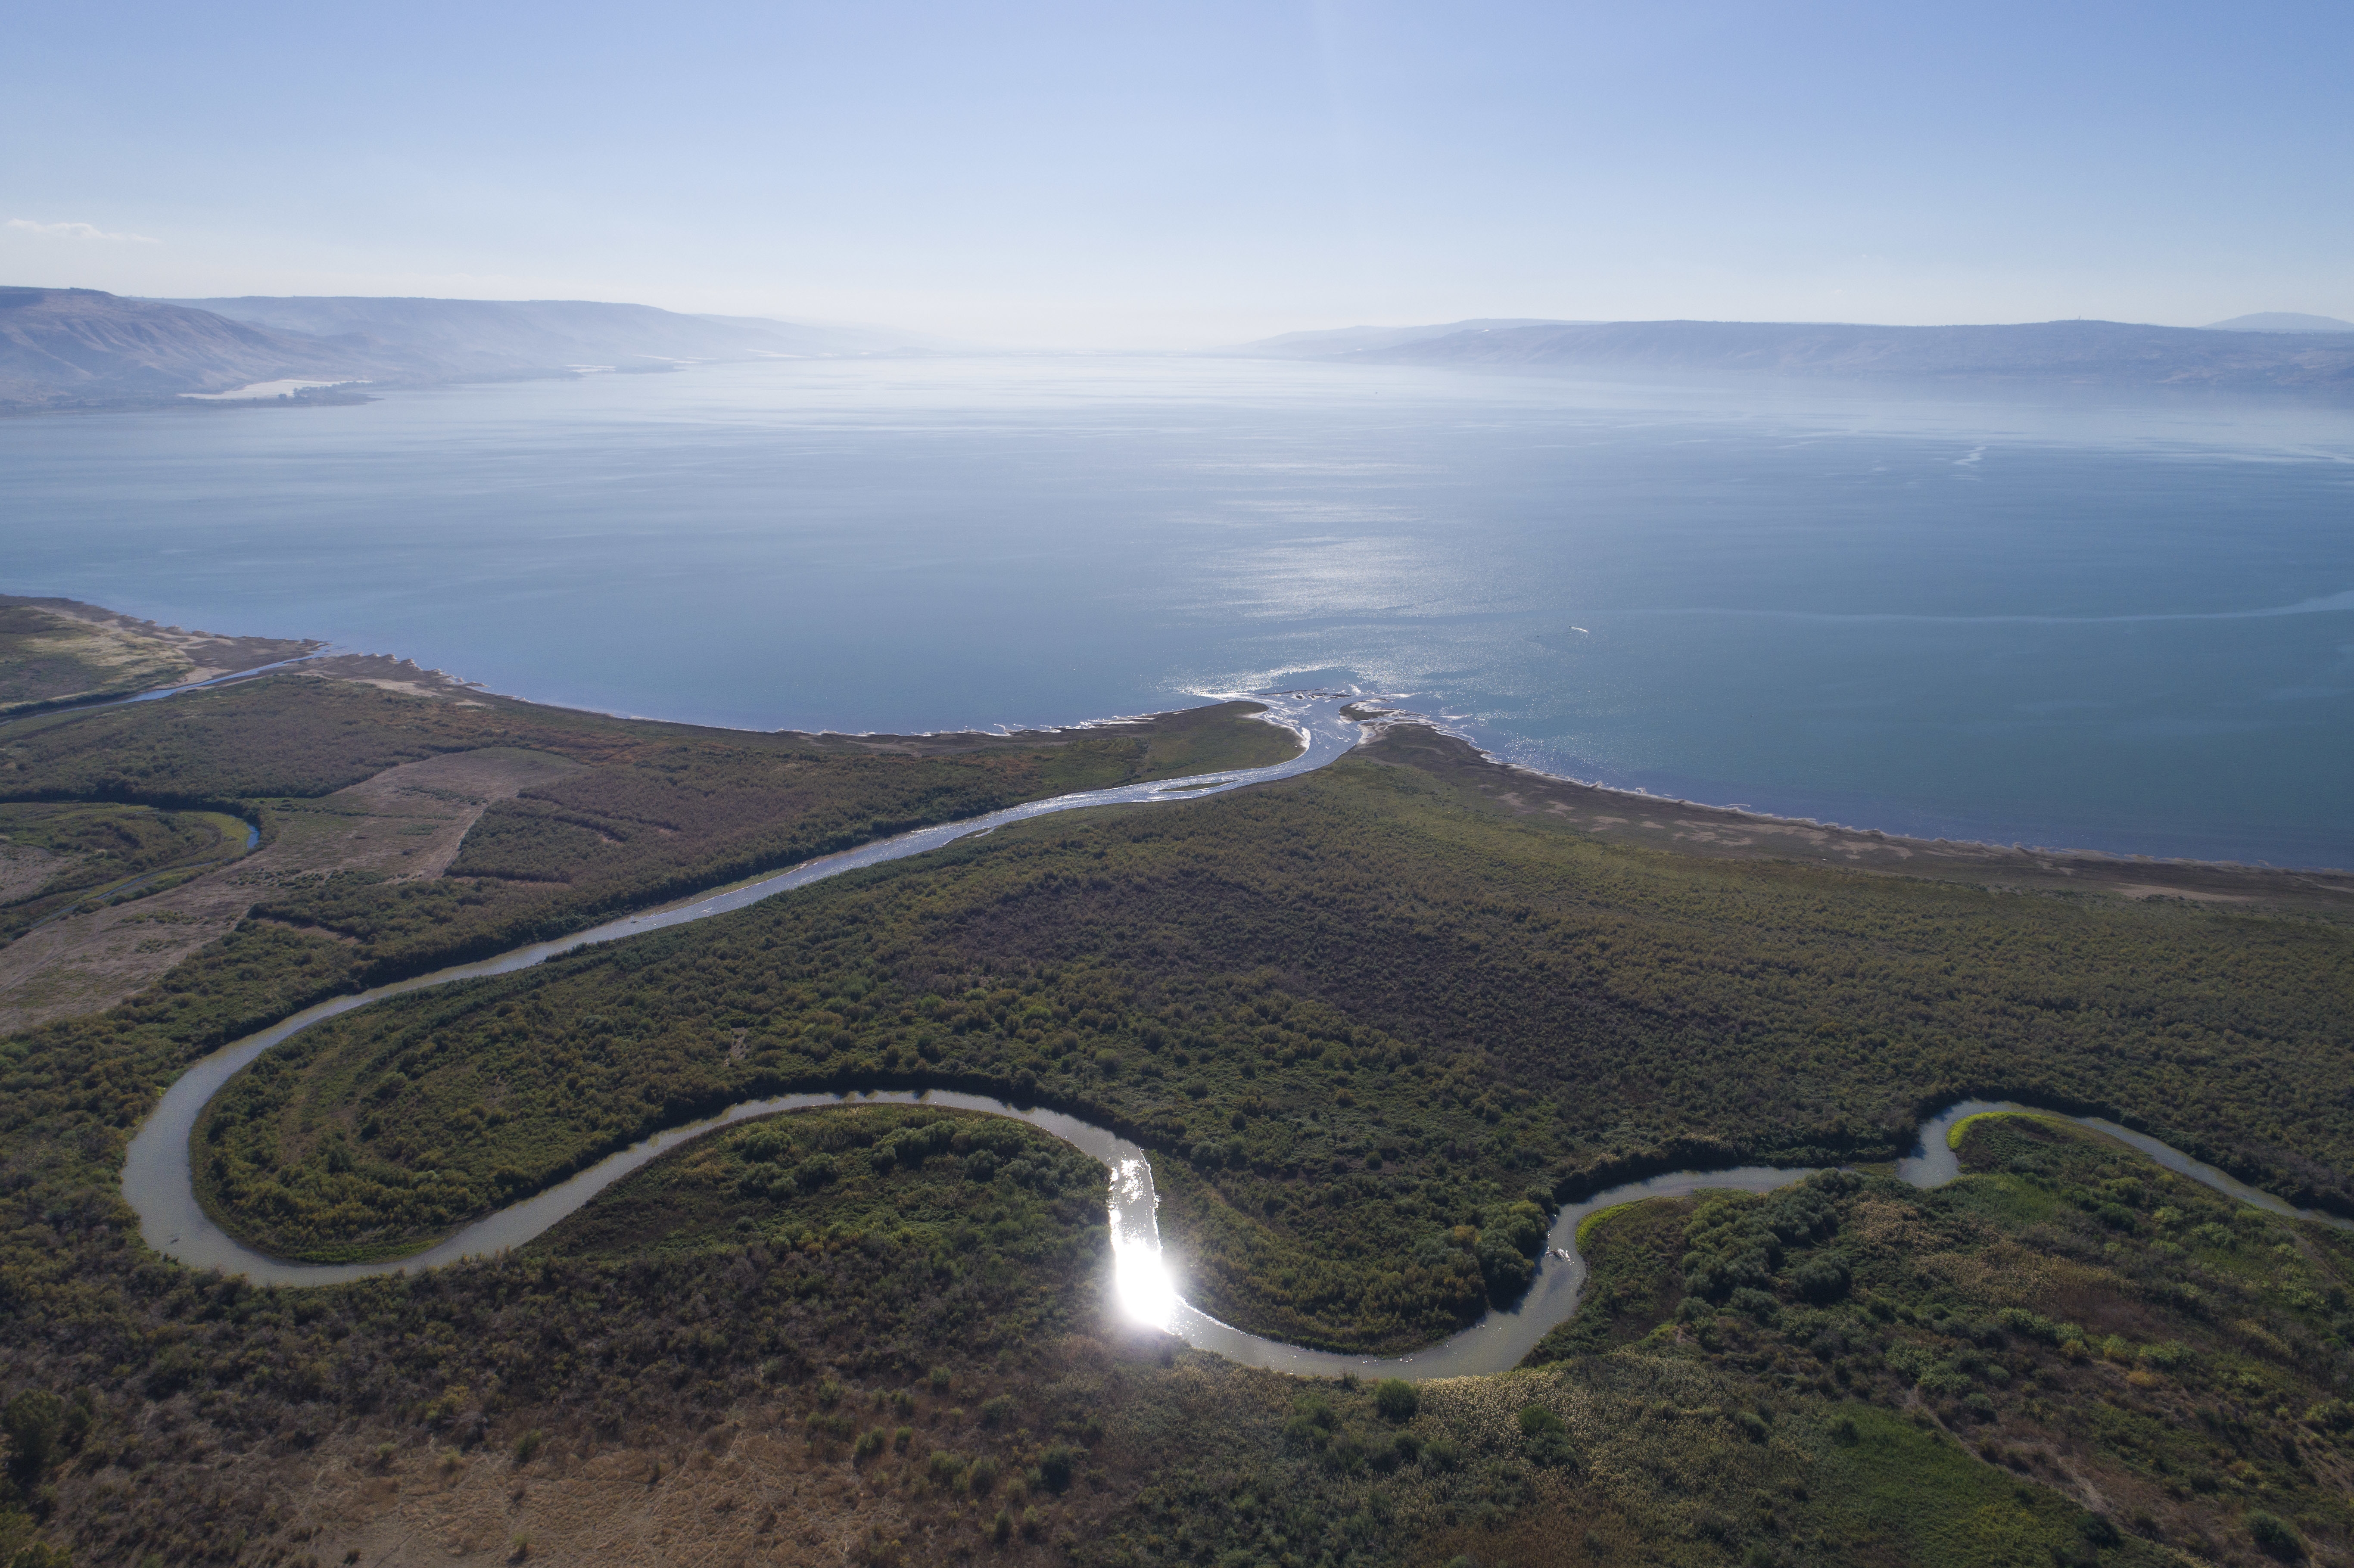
(55,859)
(1372,1032)
(2068,1312)
(833,1374)
(46,657)
(969,1191)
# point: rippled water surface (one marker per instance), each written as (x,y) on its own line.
(2088,622)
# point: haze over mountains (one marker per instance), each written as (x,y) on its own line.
(82,348)
(2233,356)
(1335,341)
(2281,321)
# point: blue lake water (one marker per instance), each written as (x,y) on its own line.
(2065,621)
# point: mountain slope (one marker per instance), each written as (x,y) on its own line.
(464,339)
(66,348)
(2073,352)
(83,348)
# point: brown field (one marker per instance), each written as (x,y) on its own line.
(404,823)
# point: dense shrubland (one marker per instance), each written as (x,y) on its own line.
(933,1332)
(1371,1034)
(2069,1312)
(865,1279)
(975,1191)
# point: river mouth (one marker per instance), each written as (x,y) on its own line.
(158,1178)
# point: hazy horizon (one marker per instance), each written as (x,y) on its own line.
(1057,177)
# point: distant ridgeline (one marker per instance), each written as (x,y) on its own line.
(75,348)
(2269,353)
(82,348)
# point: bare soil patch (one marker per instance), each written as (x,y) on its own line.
(23,868)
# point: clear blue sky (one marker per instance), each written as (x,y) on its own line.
(1139,175)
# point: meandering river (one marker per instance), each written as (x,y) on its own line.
(157,1179)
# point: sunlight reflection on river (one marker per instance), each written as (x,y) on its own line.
(1147,1294)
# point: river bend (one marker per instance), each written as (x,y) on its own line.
(157,1176)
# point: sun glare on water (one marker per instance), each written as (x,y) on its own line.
(1147,1294)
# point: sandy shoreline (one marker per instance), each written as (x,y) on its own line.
(1626,816)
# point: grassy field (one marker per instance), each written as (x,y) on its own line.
(47,658)
(1372,1032)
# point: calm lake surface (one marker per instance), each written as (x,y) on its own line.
(2116,624)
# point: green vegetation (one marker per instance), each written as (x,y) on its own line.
(926,1289)
(1371,1031)
(104,852)
(971,1192)
(2068,1312)
(736,804)
(965,1380)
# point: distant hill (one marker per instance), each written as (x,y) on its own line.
(82,348)
(448,340)
(1333,341)
(2060,353)
(2281,321)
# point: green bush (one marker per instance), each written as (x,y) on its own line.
(1056,1465)
(1396,1400)
(2275,1535)
(33,1421)
(1822,1280)
(1544,1436)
